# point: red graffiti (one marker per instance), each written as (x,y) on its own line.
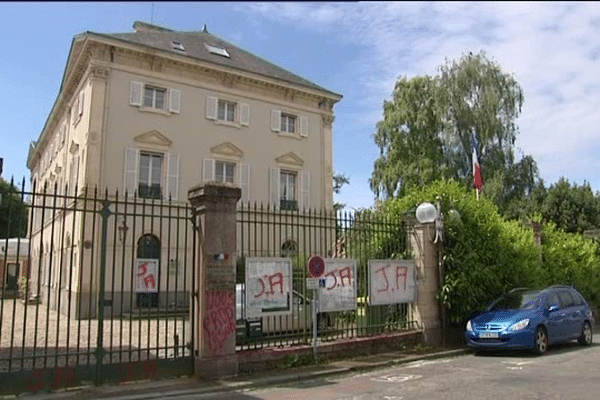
(150,282)
(274,280)
(219,322)
(387,283)
(344,273)
(401,272)
(143,267)
(61,377)
(140,370)
(148,279)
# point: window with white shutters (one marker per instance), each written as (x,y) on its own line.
(227,172)
(150,97)
(229,112)
(151,175)
(290,190)
(289,124)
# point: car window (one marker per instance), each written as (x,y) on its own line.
(566,299)
(516,301)
(553,299)
(577,298)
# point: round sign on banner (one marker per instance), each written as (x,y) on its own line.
(316,266)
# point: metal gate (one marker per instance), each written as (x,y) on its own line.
(102,289)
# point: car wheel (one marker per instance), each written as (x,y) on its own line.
(540,345)
(586,334)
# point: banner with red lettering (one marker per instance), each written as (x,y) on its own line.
(147,275)
(339,293)
(392,282)
(268,287)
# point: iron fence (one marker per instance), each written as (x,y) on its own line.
(362,236)
(102,288)
(95,286)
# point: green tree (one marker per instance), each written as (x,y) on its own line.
(339,180)
(13,211)
(409,138)
(479,98)
(512,189)
(571,207)
(427,126)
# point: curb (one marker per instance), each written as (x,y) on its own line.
(220,386)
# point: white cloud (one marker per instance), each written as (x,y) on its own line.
(552,48)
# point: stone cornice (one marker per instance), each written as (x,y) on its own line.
(229,76)
(327,120)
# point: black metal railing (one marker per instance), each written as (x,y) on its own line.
(360,236)
(104,282)
(75,317)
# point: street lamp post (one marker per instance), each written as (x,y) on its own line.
(428,213)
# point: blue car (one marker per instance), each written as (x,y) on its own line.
(532,319)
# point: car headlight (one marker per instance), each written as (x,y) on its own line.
(469,327)
(520,325)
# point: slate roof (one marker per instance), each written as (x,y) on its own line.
(194,44)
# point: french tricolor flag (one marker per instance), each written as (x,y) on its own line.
(477,181)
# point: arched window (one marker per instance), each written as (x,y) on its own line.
(289,248)
(148,247)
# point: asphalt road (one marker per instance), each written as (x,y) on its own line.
(567,372)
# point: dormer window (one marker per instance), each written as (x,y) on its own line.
(177,46)
(217,50)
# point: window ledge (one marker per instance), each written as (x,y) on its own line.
(155,111)
(227,123)
(290,135)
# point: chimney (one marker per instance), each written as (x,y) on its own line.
(140,26)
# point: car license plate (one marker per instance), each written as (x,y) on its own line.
(488,335)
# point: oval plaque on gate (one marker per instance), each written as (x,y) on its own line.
(316,266)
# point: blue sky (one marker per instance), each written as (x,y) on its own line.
(355,49)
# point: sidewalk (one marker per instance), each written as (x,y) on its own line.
(172,388)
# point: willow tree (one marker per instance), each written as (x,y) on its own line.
(427,126)
(409,138)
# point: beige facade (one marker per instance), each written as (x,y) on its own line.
(155,112)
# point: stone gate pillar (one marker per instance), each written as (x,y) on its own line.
(427,309)
(213,289)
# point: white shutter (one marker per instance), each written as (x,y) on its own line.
(303,126)
(208,170)
(75,176)
(304,190)
(244,114)
(211,107)
(81,103)
(135,94)
(130,173)
(276,120)
(274,186)
(174,101)
(172,176)
(245,181)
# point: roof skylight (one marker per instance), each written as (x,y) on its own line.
(177,45)
(217,50)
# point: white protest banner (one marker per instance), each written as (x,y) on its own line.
(268,286)
(147,275)
(392,282)
(339,293)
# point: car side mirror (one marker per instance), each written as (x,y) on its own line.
(553,307)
